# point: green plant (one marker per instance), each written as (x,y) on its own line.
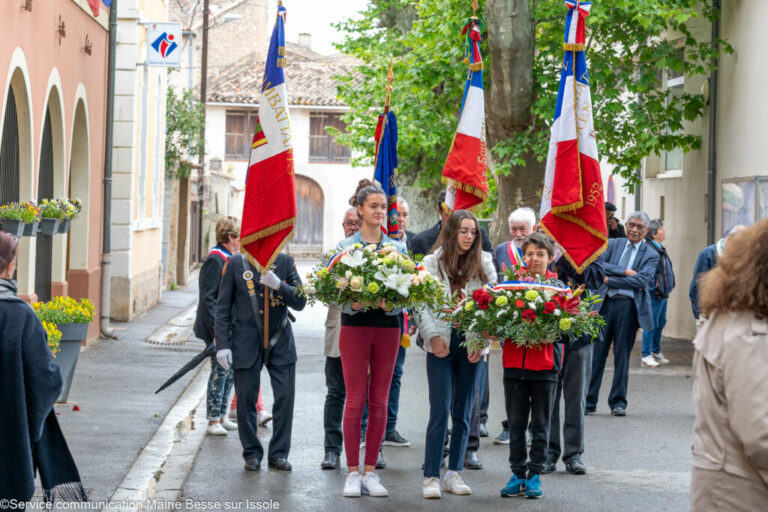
(54,336)
(26,212)
(65,310)
(71,207)
(51,209)
(185,123)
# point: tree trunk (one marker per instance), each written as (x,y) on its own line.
(509,102)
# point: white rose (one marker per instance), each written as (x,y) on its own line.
(348,274)
(356,283)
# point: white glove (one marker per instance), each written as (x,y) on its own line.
(270,279)
(224,357)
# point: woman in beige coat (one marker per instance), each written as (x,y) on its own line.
(730,393)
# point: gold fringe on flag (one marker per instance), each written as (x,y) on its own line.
(477,66)
(263,234)
(572,47)
(281,51)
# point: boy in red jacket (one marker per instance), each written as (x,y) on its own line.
(530,381)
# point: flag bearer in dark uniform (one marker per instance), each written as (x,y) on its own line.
(239,344)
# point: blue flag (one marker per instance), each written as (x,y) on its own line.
(386,168)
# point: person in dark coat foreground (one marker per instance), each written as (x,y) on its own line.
(30,383)
(239,345)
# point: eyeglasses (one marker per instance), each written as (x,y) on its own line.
(635,225)
(351,224)
(471,232)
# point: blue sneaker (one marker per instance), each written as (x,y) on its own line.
(533,487)
(515,487)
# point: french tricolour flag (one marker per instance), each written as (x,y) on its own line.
(269,210)
(465,169)
(572,206)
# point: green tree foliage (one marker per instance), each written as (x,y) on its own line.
(185,119)
(629,47)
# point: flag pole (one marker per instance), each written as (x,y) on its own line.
(390,78)
(475,7)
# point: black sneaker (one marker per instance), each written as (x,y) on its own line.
(575,466)
(549,467)
(380,464)
(502,438)
(395,439)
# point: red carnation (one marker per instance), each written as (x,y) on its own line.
(520,304)
(529,315)
(483,301)
(549,307)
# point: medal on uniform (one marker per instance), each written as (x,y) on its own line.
(248,275)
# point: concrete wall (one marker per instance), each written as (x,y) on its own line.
(47,71)
(741,153)
(138,165)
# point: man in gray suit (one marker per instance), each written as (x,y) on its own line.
(334,378)
(630,270)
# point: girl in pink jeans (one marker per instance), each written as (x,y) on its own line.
(368,343)
(263,416)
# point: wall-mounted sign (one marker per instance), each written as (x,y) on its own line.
(164,44)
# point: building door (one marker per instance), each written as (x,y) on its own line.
(44,258)
(9,153)
(308,238)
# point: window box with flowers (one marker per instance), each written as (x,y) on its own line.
(52,215)
(16,218)
(71,317)
(71,209)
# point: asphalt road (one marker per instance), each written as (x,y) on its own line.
(637,463)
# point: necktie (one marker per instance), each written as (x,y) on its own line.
(624,261)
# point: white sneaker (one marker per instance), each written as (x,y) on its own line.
(453,483)
(371,485)
(659,357)
(352,488)
(263,417)
(649,361)
(431,488)
(228,425)
(216,430)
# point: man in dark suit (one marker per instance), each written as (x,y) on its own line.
(239,344)
(424,241)
(630,268)
(615,229)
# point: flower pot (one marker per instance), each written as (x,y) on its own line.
(49,226)
(12,226)
(72,336)
(64,226)
(31,229)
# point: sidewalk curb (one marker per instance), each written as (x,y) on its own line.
(180,428)
(177,330)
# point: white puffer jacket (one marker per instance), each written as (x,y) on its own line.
(430,323)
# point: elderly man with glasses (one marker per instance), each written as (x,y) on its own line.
(630,269)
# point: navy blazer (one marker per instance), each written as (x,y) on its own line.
(236,326)
(704,263)
(641,283)
(210,277)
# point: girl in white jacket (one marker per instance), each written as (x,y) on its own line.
(458,261)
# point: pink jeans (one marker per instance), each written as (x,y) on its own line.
(363,349)
(259,403)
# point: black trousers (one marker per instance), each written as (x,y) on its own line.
(524,399)
(247,383)
(572,386)
(333,412)
(620,329)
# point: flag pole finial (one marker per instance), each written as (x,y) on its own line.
(475,7)
(390,78)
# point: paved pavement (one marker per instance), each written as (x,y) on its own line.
(637,463)
(114,387)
